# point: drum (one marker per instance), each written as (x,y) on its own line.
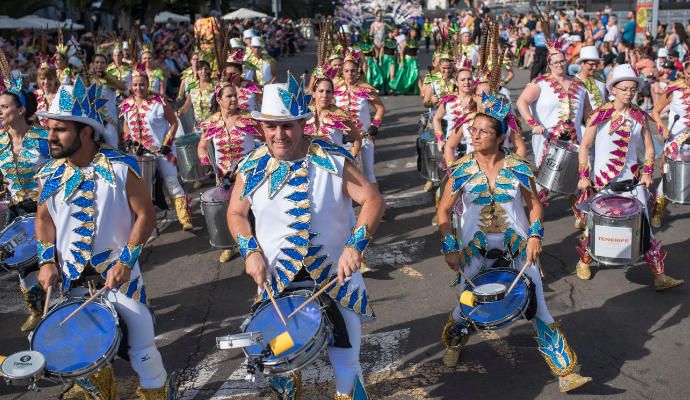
(23,368)
(19,240)
(497,314)
(188,163)
(615,229)
(677,178)
(214,208)
(4,210)
(83,345)
(309,329)
(147,166)
(430,157)
(559,171)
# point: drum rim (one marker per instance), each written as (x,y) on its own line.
(511,316)
(101,360)
(304,359)
(213,201)
(639,204)
(31,260)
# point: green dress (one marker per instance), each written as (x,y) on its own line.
(405,81)
(388,60)
(374,76)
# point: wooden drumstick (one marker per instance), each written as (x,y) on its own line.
(273,301)
(315,295)
(467,278)
(45,305)
(512,285)
(86,303)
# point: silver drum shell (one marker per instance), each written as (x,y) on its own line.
(215,214)
(559,171)
(677,181)
(147,166)
(634,222)
(188,164)
(431,157)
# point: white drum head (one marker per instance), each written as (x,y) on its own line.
(489,289)
(22,365)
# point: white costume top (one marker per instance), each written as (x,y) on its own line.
(303,218)
(19,169)
(146,122)
(355,101)
(679,105)
(596,91)
(331,125)
(92,217)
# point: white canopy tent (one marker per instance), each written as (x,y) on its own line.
(244,13)
(166,15)
(11,23)
(36,22)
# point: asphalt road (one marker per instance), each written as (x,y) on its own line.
(632,340)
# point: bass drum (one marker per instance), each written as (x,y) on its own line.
(615,225)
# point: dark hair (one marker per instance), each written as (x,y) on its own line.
(323,79)
(499,126)
(31,103)
(202,63)
(93,59)
(215,106)
(235,65)
(81,125)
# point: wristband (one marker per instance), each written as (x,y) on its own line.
(648,167)
(449,244)
(376,122)
(46,252)
(359,239)
(248,245)
(532,122)
(130,254)
(662,130)
(204,160)
(536,230)
(583,171)
(440,136)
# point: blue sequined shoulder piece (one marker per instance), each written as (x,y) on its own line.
(462,170)
(114,155)
(520,168)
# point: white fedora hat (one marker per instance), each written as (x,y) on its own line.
(588,53)
(284,102)
(78,103)
(624,72)
(257,42)
(248,33)
(464,30)
(237,43)
(662,52)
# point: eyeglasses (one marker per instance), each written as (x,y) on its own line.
(591,63)
(558,62)
(631,90)
(482,133)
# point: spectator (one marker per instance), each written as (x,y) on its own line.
(628,34)
(612,31)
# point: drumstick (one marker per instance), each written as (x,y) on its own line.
(467,278)
(512,285)
(273,301)
(315,295)
(45,306)
(86,303)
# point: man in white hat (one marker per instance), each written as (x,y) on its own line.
(247,36)
(661,56)
(615,130)
(469,49)
(264,66)
(95,223)
(595,87)
(300,191)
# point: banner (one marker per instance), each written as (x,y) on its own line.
(646,18)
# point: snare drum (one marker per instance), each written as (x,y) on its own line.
(19,239)
(494,315)
(83,345)
(147,166)
(677,178)
(615,229)
(430,157)
(310,330)
(559,171)
(188,163)
(214,208)
(23,368)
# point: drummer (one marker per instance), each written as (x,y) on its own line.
(676,135)
(283,224)
(150,126)
(553,106)
(616,129)
(355,97)
(233,133)
(495,221)
(23,150)
(594,86)
(105,215)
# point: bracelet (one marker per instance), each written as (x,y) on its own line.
(449,244)
(204,160)
(359,239)
(536,230)
(440,136)
(583,171)
(376,123)
(648,167)
(662,129)
(130,254)
(532,122)
(248,245)
(46,252)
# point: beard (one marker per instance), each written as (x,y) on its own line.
(65,152)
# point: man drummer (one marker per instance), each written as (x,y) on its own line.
(616,129)
(595,87)
(301,190)
(491,183)
(96,222)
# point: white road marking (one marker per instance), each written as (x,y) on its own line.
(416,198)
(396,253)
(380,352)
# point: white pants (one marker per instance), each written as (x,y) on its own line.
(367,154)
(495,241)
(168,172)
(538,143)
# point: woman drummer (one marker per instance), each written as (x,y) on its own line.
(615,130)
(248,94)
(233,133)
(491,184)
(23,151)
(328,121)
(677,98)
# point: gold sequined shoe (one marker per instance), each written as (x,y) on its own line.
(572,381)
(580,223)
(658,212)
(583,271)
(226,255)
(101,386)
(183,211)
(663,282)
(166,392)
(34,297)
(428,186)
(450,358)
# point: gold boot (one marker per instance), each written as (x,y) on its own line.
(428,186)
(572,381)
(226,255)
(165,392)
(583,271)
(184,214)
(287,387)
(658,212)
(101,386)
(34,297)
(663,282)
(559,356)
(453,337)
